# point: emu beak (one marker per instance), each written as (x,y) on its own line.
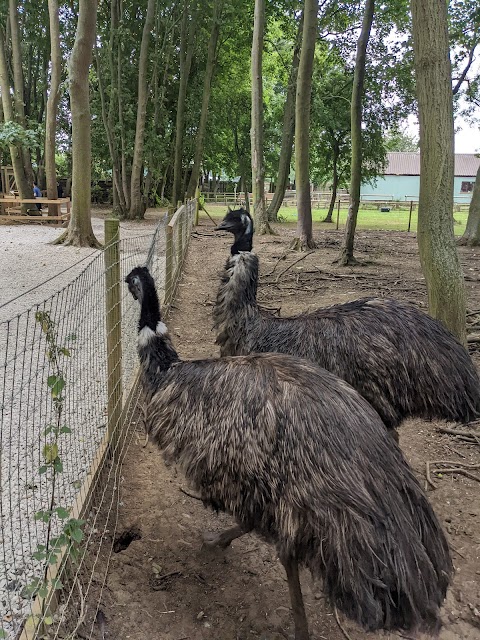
(225,225)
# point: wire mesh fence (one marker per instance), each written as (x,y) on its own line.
(68,396)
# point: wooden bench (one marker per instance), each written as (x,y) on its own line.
(11,210)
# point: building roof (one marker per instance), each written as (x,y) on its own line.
(400,163)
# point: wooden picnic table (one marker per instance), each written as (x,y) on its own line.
(11,210)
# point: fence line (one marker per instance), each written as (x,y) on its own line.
(68,404)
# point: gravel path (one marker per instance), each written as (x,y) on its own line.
(72,284)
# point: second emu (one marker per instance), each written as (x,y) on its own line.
(297,456)
(401,360)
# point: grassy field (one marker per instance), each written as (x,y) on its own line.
(394,220)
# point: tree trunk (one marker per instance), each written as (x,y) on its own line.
(80,232)
(137,202)
(52,102)
(18,84)
(288,132)
(186,54)
(207,88)
(438,253)
(346,255)
(335,181)
(304,239)
(471,237)
(256,132)
(24,188)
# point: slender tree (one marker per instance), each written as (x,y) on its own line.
(186,54)
(438,253)
(80,232)
(24,188)
(304,239)
(346,255)
(53,100)
(256,132)
(471,236)
(137,202)
(288,131)
(207,88)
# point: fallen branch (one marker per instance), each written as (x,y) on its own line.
(459,432)
(428,475)
(293,264)
(337,619)
(460,471)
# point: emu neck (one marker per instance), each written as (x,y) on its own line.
(155,348)
(237,295)
(242,243)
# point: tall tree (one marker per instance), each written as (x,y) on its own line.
(53,100)
(288,131)
(346,255)
(137,202)
(207,87)
(304,239)
(471,236)
(18,83)
(258,163)
(438,253)
(24,188)
(186,54)
(79,232)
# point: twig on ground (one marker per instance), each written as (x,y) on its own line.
(293,264)
(284,254)
(460,471)
(337,619)
(195,496)
(459,432)
(428,476)
(456,550)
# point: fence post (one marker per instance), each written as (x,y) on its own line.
(338,212)
(168,259)
(114,330)
(197,199)
(410,214)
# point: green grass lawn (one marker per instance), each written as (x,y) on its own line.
(393,220)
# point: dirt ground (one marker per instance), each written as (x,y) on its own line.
(165,586)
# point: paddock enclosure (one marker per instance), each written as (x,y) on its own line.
(143,572)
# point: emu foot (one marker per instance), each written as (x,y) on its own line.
(222,540)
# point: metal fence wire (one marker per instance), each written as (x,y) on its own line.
(68,399)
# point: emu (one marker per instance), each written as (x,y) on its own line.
(297,456)
(401,360)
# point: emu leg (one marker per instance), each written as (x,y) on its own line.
(296,599)
(225,538)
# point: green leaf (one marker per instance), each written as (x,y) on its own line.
(48,620)
(44,516)
(50,453)
(43,591)
(77,535)
(64,351)
(65,429)
(58,465)
(57,584)
(39,555)
(43,469)
(56,384)
(48,430)
(52,559)
(62,513)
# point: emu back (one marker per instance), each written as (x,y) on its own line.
(401,360)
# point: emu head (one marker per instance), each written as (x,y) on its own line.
(238,222)
(139,280)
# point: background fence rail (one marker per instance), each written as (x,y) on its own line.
(85,334)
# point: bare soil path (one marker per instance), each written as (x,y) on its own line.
(164,586)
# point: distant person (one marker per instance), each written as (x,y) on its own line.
(59,190)
(38,194)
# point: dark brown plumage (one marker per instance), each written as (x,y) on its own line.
(296,455)
(401,360)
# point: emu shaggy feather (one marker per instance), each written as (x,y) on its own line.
(401,360)
(299,457)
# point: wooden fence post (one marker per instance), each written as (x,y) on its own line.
(410,214)
(114,330)
(197,199)
(168,259)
